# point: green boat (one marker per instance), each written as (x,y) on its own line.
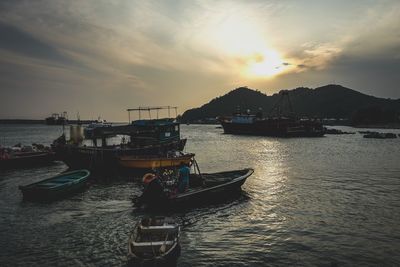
(56,187)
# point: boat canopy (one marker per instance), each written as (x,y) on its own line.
(140,110)
(155,122)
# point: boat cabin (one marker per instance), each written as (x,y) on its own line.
(157,129)
(243,118)
(143,131)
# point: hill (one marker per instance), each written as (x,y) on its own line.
(330,101)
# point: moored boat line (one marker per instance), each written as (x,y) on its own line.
(20,156)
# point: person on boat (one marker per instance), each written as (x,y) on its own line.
(184,174)
(154,191)
(3,154)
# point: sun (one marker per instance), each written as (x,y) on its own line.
(265,64)
(240,38)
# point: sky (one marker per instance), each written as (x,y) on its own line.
(98,58)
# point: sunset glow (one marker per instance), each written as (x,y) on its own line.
(241,38)
(266,64)
(133,53)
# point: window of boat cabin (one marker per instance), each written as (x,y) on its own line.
(169,131)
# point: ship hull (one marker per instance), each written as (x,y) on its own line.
(274,128)
(107,158)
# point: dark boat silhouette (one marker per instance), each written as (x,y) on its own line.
(278,124)
(141,137)
(57,119)
(26,159)
(203,188)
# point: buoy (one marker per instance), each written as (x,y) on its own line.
(148,177)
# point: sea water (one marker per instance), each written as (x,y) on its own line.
(330,201)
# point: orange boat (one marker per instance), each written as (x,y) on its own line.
(151,162)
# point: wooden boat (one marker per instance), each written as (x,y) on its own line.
(143,137)
(203,188)
(154,241)
(151,162)
(26,159)
(106,158)
(57,186)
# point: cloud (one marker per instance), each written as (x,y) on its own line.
(116,54)
(18,41)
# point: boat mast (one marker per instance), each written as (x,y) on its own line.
(279,106)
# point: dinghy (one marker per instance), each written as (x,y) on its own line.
(154,242)
(56,187)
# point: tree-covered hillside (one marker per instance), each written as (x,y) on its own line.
(330,101)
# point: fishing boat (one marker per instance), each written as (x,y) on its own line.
(56,187)
(203,187)
(151,162)
(89,130)
(246,124)
(281,122)
(57,119)
(154,242)
(140,137)
(25,159)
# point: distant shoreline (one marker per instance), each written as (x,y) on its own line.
(29,121)
(21,121)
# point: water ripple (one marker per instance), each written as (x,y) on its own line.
(329,201)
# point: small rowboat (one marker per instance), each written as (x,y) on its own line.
(152,162)
(203,188)
(57,186)
(154,242)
